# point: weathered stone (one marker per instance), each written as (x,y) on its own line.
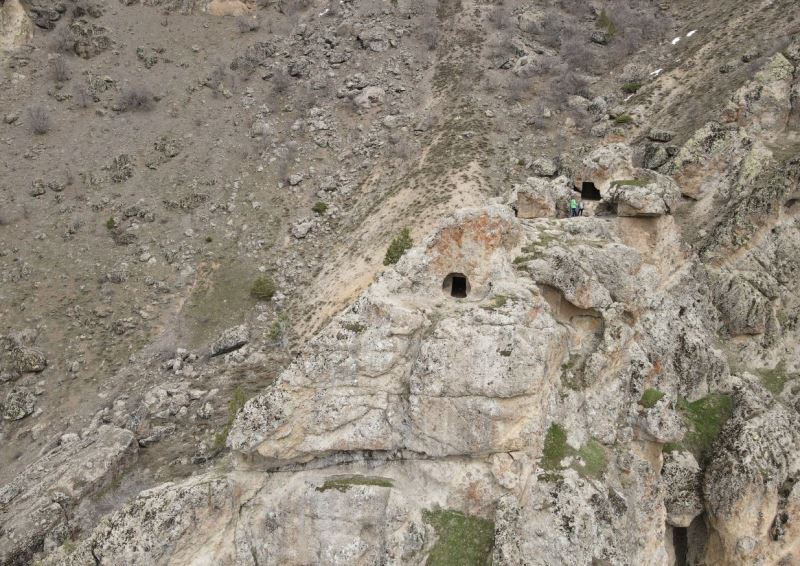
(230,340)
(682,480)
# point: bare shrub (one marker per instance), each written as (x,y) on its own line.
(63,41)
(135,99)
(247,24)
(548,32)
(429,31)
(398,146)
(39,119)
(580,55)
(571,83)
(286,157)
(500,17)
(82,97)
(59,69)
(293,7)
(519,88)
(280,82)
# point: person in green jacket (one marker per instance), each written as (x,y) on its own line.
(573,207)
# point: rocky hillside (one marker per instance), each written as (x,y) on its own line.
(207,355)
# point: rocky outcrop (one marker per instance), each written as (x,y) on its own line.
(35,508)
(16,27)
(542,198)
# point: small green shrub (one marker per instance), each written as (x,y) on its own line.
(462,540)
(401,243)
(498,301)
(650,397)
(111,224)
(623,119)
(320,207)
(631,88)
(605,22)
(235,404)
(278,328)
(209,239)
(263,288)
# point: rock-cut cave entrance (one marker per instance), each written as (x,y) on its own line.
(456,285)
(589,191)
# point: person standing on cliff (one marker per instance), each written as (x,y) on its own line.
(573,207)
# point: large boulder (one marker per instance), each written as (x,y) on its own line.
(542,198)
(647,194)
(16,27)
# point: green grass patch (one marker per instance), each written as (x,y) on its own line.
(650,397)
(630,183)
(400,245)
(462,540)
(705,417)
(605,22)
(320,207)
(343,483)
(111,224)
(631,88)
(623,119)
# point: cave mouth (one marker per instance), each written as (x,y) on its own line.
(589,191)
(456,285)
(680,541)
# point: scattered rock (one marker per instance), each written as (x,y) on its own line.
(18,404)
(230,340)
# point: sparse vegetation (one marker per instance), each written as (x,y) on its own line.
(344,483)
(400,245)
(235,404)
(775,379)
(356,327)
(59,69)
(320,207)
(39,119)
(63,41)
(247,24)
(111,224)
(650,397)
(629,183)
(135,99)
(623,119)
(705,418)
(81,96)
(555,447)
(462,540)
(263,288)
(498,301)
(593,457)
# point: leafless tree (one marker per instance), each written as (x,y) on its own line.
(136,98)
(59,69)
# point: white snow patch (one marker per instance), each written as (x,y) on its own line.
(676,40)
(691,33)
(325,11)
(627,99)
(656,72)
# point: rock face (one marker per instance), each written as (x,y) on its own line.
(35,508)
(16,27)
(619,388)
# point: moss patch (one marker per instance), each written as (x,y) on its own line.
(400,244)
(498,301)
(463,540)
(776,378)
(623,119)
(705,418)
(592,455)
(629,183)
(594,459)
(650,397)
(555,447)
(343,483)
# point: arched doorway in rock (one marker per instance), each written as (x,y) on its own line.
(589,191)
(456,285)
